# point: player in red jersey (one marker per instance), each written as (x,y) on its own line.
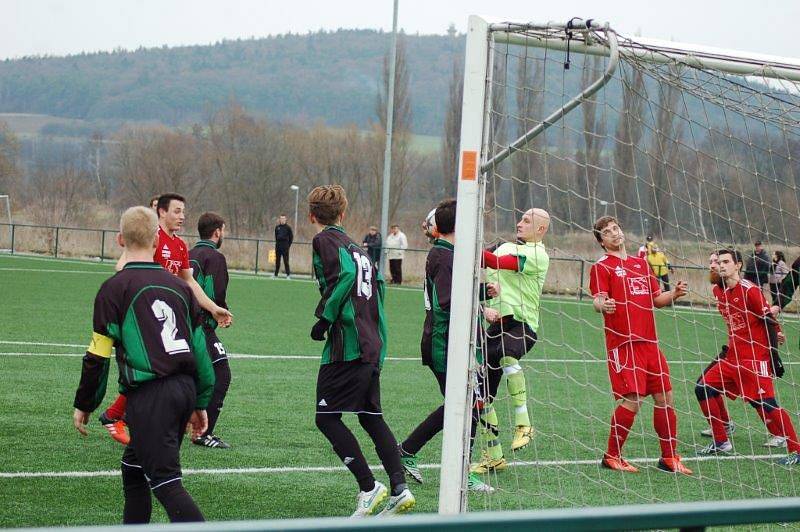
(173,254)
(748,368)
(625,292)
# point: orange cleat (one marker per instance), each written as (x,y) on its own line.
(617,463)
(116,429)
(673,465)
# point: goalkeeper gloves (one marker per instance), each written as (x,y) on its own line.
(777,363)
(319,329)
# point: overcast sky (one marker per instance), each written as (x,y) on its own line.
(59,27)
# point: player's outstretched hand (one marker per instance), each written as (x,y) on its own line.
(681,289)
(319,329)
(80,419)
(223,316)
(198,423)
(609,305)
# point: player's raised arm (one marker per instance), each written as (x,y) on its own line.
(667,298)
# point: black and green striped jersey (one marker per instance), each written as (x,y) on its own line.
(210,270)
(438,281)
(352,292)
(154,322)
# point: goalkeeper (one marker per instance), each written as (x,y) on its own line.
(520,270)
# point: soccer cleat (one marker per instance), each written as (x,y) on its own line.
(399,504)
(790,459)
(368,501)
(209,440)
(775,441)
(730,428)
(116,429)
(474,483)
(488,464)
(716,448)
(522,437)
(673,465)
(617,463)
(411,467)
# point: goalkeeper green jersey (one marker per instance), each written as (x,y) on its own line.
(352,292)
(520,291)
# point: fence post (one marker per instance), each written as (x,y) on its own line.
(580,287)
(255,270)
(57,233)
(13,226)
(102,245)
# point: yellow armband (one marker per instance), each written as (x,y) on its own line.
(100,345)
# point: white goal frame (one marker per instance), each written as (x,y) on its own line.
(474,166)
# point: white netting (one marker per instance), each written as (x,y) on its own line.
(697,158)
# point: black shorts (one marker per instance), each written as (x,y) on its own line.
(215,348)
(156,414)
(508,338)
(349,387)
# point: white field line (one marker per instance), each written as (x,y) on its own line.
(336,469)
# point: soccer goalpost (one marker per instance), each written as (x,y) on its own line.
(696,146)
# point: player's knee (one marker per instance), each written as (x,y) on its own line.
(510,366)
(703,392)
(325,422)
(133,479)
(768,404)
(222,372)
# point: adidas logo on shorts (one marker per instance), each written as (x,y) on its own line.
(322,403)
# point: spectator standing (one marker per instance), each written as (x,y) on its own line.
(758,265)
(779,271)
(396,244)
(659,264)
(645,248)
(372,243)
(283,241)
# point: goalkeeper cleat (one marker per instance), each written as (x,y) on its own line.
(522,437)
(411,467)
(775,441)
(399,504)
(368,501)
(474,483)
(617,463)
(730,428)
(116,429)
(716,448)
(673,464)
(488,464)
(790,459)
(209,440)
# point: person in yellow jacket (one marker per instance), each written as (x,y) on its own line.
(659,264)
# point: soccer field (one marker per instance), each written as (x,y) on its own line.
(280,466)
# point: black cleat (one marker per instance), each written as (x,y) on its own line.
(209,440)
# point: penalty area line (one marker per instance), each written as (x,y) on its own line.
(342,469)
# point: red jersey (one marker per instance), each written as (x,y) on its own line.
(743,308)
(172,253)
(633,286)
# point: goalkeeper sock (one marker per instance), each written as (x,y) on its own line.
(724,417)
(490,433)
(515,378)
(710,409)
(621,423)
(666,425)
(117,408)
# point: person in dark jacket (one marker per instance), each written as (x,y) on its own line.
(758,265)
(373,243)
(283,241)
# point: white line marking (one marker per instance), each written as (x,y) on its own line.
(19,342)
(336,469)
(53,271)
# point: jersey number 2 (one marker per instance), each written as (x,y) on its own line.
(169,330)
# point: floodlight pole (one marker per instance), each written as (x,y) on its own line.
(387,154)
(296,203)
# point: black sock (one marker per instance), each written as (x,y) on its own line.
(430,427)
(386,447)
(138,502)
(178,503)
(346,448)
(222,374)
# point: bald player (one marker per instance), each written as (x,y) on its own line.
(513,318)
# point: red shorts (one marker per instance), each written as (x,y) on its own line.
(749,379)
(638,368)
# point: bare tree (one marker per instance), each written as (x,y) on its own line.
(528,164)
(9,150)
(628,136)
(452,129)
(594,137)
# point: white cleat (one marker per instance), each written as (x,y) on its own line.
(399,504)
(368,501)
(776,441)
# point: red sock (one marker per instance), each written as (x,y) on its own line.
(117,408)
(666,425)
(621,423)
(723,410)
(780,424)
(710,409)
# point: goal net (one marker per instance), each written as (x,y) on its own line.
(697,148)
